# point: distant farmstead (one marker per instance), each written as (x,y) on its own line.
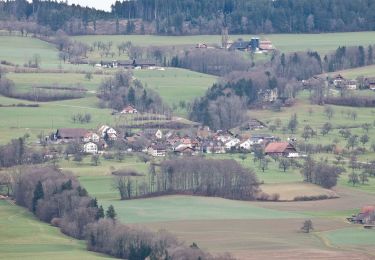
(68,134)
(283,149)
(129,110)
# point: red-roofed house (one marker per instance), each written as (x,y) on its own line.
(281,149)
(129,110)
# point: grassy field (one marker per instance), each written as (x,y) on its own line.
(25,81)
(175,85)
(283,42)
(24,237)
(367,71)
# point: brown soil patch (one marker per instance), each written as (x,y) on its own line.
(260,239)
(349,199)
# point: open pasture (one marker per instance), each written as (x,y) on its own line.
(25,81)
(22,236)
(176,85)
(323,42)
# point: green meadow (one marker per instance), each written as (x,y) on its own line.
(323,42)
(22,236)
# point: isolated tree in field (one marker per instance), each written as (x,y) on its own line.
(95,159)
(111,213)
(293,123)
(308,169)
(364,139)
(352,141)
(272,128)
(119,155)
(363,177)
(258,152)
(78,157)
(328,110)
(366,127)
(38,194)
(373,147)
(354,115)
(353,162)
(263,164)
(88,76)
(307,226)
(120,184)
(307,132)
(144,157)
(284,164)
(353,178)
(327,127)
(243,157)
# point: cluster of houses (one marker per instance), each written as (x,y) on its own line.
(158,143)
(341,82)
(129,64)
(365,217)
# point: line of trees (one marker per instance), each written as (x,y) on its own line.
(38,94)
(195,16)
(241,16)
(195,176)
(56,197)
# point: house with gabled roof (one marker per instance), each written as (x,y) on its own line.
(69,134)
(281,149)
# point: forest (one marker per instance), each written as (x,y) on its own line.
(199,16)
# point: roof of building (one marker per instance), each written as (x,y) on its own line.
(239,45)
(71,133)
(367,209)
(278,147)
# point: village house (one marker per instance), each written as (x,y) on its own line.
(157,150)
(185,151)
(204,132)
(338,81)
(201,46)
(365,216)
(265,46)
(262,138)
(232,143)
(246,145)
(213,147)
(370,83)
(253,124)
(350,84)
(129,110)
(90,148)
(108,133)
(70,134)
(281,149)
(268,95)
(91,137)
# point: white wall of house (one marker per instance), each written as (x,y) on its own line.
(90,148)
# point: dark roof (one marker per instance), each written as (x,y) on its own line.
(239,45)
(136,63)
(72,133)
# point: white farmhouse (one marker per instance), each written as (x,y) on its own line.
(90,147)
